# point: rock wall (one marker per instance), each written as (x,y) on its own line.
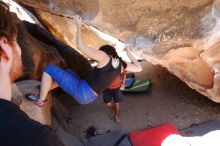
(44,49)
(35,54)
(152,18)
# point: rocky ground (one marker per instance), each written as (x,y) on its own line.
(168,100)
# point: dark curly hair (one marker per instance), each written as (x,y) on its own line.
(112,52)
(7,24)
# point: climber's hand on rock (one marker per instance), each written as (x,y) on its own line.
(127,48)
(78,20)
(140,53)
(122,87)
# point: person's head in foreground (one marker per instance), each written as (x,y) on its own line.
(10,52)
(14,123)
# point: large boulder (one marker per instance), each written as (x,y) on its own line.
(186,64)
(156,19)
(181,35)
(86,8)
(193,60)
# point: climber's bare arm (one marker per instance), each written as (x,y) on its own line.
(134,66)
(97,55)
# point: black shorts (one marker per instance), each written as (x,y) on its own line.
(110,95)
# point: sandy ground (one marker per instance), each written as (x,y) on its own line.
(168,100)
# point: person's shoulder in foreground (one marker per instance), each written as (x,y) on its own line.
(17,129)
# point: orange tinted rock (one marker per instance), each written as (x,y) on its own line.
(65,30)
(186,64)
(212,57)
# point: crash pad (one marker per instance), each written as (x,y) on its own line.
(113,138)
(129,82)
(153,136)
(139,86)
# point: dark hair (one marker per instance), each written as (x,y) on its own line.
(109,50)
(7,25)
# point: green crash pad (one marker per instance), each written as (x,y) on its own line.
(138,87)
